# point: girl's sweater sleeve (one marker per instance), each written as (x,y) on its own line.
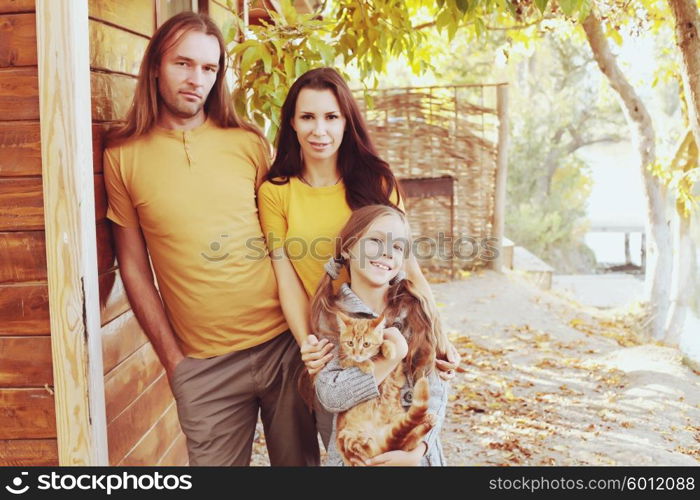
(339,389)
(437,405)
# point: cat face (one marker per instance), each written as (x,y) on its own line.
(360,338)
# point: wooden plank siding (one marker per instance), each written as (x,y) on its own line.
(111,95)
(27,414)
(120,338)
(19,93)
(113,299)
(20,149)
(21,204)
(129,379)
(115,50)
(15,6)
(25,361)
(177,454)
(134,422)
(28,452)
(156,442)
(136,16)
(17,40)
(24,254)
(24,309)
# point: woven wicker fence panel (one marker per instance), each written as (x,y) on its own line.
(441,131)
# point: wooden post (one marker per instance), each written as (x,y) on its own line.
(71,254)
(499,211)
(628,257)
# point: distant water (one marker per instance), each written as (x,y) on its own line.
(617,197)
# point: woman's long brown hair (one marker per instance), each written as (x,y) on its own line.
(368,179)
(143,114)
(426,335)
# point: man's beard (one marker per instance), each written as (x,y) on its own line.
(181,112)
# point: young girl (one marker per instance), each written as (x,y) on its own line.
(372,247)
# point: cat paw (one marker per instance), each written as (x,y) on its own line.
(388,350)
(359,448)
(430,420)
(366,367)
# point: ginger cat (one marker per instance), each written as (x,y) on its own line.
(380,424)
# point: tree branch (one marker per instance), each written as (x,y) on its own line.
(490,28)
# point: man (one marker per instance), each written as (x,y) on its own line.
(181,177)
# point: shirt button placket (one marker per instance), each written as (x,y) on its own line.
(186,141)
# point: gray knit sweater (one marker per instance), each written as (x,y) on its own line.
(339,389)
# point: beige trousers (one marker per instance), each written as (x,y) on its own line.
(218,400)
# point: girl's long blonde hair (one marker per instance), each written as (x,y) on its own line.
(426,340)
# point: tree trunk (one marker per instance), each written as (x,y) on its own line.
(659,254)
(687,19)
(681,284)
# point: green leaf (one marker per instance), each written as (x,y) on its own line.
(289,65)
(267,59)
(327,53)
(288,11)
(250,57)
(243,46)
(584,9)
(568,6)
(615,35)
(463,6)
(300,67)
(541,4)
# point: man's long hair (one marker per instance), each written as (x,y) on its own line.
(143,114)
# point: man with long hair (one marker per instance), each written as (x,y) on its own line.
(182,173)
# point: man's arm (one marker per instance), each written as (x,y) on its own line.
(143,296)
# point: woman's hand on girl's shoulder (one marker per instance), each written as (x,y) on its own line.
(393,335)
(316,353)
(447,368)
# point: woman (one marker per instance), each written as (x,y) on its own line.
(325,167)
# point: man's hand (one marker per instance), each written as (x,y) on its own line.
(448,368)
(316,354)
(171,364)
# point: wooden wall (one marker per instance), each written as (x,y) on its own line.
(27,417)
(142,424)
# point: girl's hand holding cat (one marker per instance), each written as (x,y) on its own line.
(316,354)
(393,335)
(399,457)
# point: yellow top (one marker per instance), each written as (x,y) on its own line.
(193,195)
(307,220)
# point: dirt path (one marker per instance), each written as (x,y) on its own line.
(545,381)
(548,382)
